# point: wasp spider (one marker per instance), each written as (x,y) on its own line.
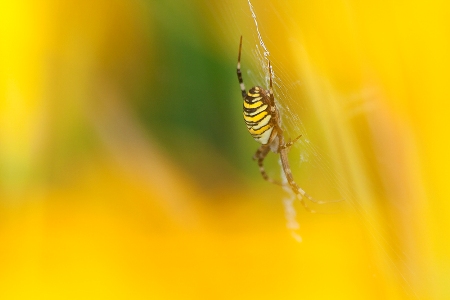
(263,122)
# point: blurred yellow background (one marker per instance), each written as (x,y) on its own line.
(125,165)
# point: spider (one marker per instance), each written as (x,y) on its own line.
(263,122)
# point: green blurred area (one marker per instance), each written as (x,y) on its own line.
(162,62)
(191,101)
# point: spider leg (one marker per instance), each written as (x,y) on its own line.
(239,73)
(301,194)
(272,98)
(287,170)
(260,154)
(286,146)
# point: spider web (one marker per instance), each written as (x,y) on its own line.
(305,155)
(318,165)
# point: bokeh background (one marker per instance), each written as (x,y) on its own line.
(125,165)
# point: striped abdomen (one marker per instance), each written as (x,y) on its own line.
(257,115)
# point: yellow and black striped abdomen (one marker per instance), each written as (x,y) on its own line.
(257,115)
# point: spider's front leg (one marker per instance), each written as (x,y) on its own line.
(286,146)
(259,156)
(301,194)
